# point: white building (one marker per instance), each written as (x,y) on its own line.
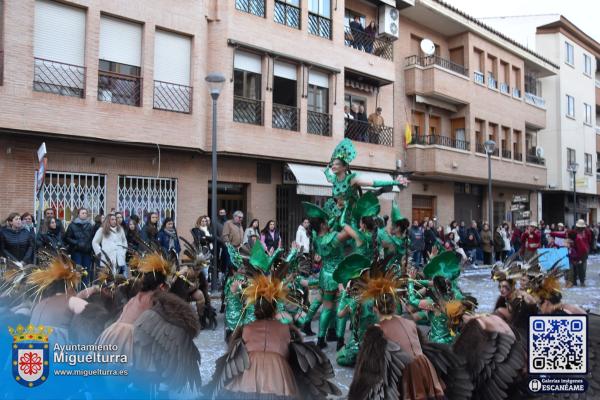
(572,101)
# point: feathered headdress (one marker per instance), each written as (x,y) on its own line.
(61,268)
(155,263)
(547,284)
(380,284)
(14,277)
(268,287)
(344,151)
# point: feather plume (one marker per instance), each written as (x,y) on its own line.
(60,268)
(154,262)
(271,289)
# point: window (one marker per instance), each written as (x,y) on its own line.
(247,78)
(570,106)
(569,56)
(319,18)
(287,12)
(285,98)
(58,49)
(319,120)
(597,163)
(571,157)
(588,114)
(588,164)
(256,7)
(142,195)
(172,91)
(119,68)
(263,172)
(587,65)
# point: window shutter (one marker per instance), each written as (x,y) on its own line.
(247,62)
(172,58)
(120,41)
(285,70)
(317,78)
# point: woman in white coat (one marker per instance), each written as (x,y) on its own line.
(110,243)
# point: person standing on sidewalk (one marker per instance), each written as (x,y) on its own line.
(79,237)
(417,243)
(582,245)
(487,244)
(110,245)
(531,240)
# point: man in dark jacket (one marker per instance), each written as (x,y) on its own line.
(78,237)
(472,242)
(16,243)
(417,243)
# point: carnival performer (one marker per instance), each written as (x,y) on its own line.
(267,359)
(395,243)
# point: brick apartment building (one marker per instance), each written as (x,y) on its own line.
(116,90)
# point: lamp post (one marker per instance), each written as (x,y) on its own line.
(572,168)
(215,82)
(490,146)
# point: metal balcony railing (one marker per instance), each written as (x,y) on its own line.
(286,117)
(58,78)
(535,100)
(504,88)
(492,82)
(445,141)
(247,111)
(286,14)
(478,77)
(319,26)
(379,46)
(119,88)
(506,154)
(516,93)
(439,61)
(361,131)
(319,123)
(172,97)
(256,7)
(479,148)
(533,159)
(518,157)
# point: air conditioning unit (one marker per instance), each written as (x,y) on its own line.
(539,152)
(389,21)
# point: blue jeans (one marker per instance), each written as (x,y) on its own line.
(417,257)
(85,260)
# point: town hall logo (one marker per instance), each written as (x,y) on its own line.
(30,360)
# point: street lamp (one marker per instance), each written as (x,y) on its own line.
(490,146)
(215,82)
(572,168)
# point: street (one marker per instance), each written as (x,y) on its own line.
(474,281)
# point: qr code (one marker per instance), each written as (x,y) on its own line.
(558,344)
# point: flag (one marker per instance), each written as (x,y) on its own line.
(407,135)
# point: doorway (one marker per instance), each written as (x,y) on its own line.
(230,196)
(422,207)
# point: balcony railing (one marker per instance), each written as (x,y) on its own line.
(247,111)
(504,88)
(119,88)
(506,154)
(361,131)
(319,26)
(479,148)
(444,141)
(478,77)
(379,46)
(533,159)
(286,117)
(516,93)
(518,157)
(58,78)
(172,97)
(492,82)
(319,123)
(535,100)
(256,7)
(439,61)
(286,14)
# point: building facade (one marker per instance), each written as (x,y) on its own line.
(116,90)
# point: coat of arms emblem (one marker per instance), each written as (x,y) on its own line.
(30,354)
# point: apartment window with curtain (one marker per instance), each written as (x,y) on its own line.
(255,7)
(319,119)
(247,88)
(588,164)
(287,12)
(570,106)
(587,65)
(119,69)
(571,157)
(59,49)
(569,54)
(319,18)
(172,55)
(588,114)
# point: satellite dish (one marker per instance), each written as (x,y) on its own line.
(427,47)
(539,152)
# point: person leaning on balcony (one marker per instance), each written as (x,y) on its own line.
(357,32)
(364,126)
(377,123)
(370,35)
(348,113)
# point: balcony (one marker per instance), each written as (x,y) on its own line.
(172,97)
(504,88)
(255,7)
(247,111)
(437,78)
(534,100)
(319,26)
(444,141)
(378,46)
(516,93)
(492,83)
(287,14)
(478,77)
(286,117)
(479,148)
(518,157)
(506,154)
(58,78)
(318,123)
(360,131)
(533,159)
(119,88)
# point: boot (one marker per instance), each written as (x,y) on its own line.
(340,344)
(307,330)
(228,333)
(321,343)
(210,316)
(222,308)
(331,335)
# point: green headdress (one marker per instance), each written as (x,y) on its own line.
(445,264)
(345,151)
(351,267)
(367,206)
(396,214)
(260,260)
(235,256)
(314,211)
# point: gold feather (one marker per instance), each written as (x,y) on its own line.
(154,262)
(271,289)
(60,268)
(379,285)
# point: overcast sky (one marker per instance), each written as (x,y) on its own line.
(583,13)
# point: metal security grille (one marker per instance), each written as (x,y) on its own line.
(65,192)
(141,195)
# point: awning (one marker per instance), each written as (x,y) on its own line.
(311,181)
